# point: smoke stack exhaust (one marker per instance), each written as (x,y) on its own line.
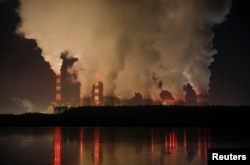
(202,99)
(58,88)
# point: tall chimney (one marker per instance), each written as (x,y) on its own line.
(97,93)
(58,88)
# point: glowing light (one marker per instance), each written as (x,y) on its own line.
(58,97)
(96,146)
(97,78)
(97,102)
(81,145)
(152,141)
(58,74)
(185,142)
(166,140)
(57,149)
(199,144)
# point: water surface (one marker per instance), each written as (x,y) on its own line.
(114,145)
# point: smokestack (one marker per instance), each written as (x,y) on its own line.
(202,99)
(97,93)
(58,88)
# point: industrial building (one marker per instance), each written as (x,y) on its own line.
(64,100)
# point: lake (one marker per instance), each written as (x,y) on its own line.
(115,145)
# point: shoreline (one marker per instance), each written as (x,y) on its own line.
(159,116)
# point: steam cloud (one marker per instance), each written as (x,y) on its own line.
(127,42)
(25,103)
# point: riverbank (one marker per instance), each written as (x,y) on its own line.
(176,116)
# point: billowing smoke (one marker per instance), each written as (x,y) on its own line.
(24,103)
(124,42)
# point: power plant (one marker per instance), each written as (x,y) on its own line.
(68,94)
(98,99)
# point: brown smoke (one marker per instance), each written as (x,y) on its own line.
(125,42)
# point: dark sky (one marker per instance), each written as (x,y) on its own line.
(231,70)
(28,80)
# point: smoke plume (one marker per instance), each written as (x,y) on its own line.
(24,103)
(125,43)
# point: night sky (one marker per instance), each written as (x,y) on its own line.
(28,83)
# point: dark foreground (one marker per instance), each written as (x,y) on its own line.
(180,116)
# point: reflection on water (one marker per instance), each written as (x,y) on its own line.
(57,145)
(126,148)
(108,146)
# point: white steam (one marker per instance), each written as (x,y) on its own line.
(125,42)
(24,103)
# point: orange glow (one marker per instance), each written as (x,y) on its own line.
(57,147)
(58,74)
(97,78)
(97,102)
(96,147)
(202,93)
(152,141)
(199,145)
(81,145)
(166,140)
(205,146)
(174,140)
(168,101)
(185,140)
(170,140)
(58,97)
(207,142)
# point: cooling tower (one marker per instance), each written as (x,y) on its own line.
(202,99)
